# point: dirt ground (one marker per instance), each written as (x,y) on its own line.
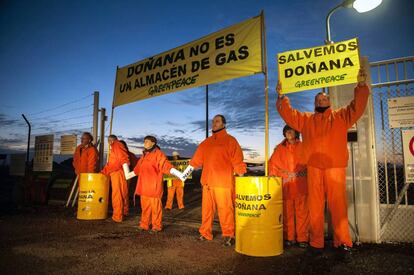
(49,240)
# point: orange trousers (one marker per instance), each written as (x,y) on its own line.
(177,187)
(330,182)
(222,199)
(119,195)
(151,213)
(296,219)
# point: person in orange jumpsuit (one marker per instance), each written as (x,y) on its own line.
(85,159)
(150,169)
(325,152)
(221,157)
(177,187)
(286,162)
(133,160)
(116,169)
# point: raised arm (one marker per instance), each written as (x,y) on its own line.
(355,109)
(292,117)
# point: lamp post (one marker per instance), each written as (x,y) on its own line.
(360,6)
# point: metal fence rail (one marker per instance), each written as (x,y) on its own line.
(392,78)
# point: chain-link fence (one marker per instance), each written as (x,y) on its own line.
(390,79)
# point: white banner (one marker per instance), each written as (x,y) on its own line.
(401,112)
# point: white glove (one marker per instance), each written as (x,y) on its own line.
(177,173)
(187,172)
(130,175)
(126,169)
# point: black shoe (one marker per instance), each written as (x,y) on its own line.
(201,238)
(228,241)
(303,244)
(288,243)
(344,253)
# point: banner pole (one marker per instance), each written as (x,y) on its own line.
(206,111)
(112,111)
(266,90)
(113,100)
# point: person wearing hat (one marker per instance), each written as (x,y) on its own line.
(325,150)
(175,186)
(150,169)
(287,162)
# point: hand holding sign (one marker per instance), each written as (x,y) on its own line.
(279,88)
(362,77)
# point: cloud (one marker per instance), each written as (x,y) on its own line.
(241,101)
(6,121)
(12,145)
(185,146)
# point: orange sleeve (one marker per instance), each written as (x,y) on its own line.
(355,109)
(92,160)
(120,152)
(116,153)
(197,160)
(236,157)
(108,169)
(275,164)
(292,117)
(163,164)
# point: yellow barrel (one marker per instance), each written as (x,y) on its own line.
(93,196)
(259,222)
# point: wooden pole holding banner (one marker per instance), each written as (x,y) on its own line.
(113,100)
(266,90)
(112,111)
(206,111)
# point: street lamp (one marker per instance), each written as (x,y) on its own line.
(359,5)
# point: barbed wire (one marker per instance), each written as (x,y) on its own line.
(73,130)
(60,106)
(61,113)
(63,119)
(45,127)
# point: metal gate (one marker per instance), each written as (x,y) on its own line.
(392,78)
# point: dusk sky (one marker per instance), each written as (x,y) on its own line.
(56,53)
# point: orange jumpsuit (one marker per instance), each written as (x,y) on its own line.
(177,187)
(285,161)
(220,156)
(85,160)
(326,154)
(118,156)
(150,169)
